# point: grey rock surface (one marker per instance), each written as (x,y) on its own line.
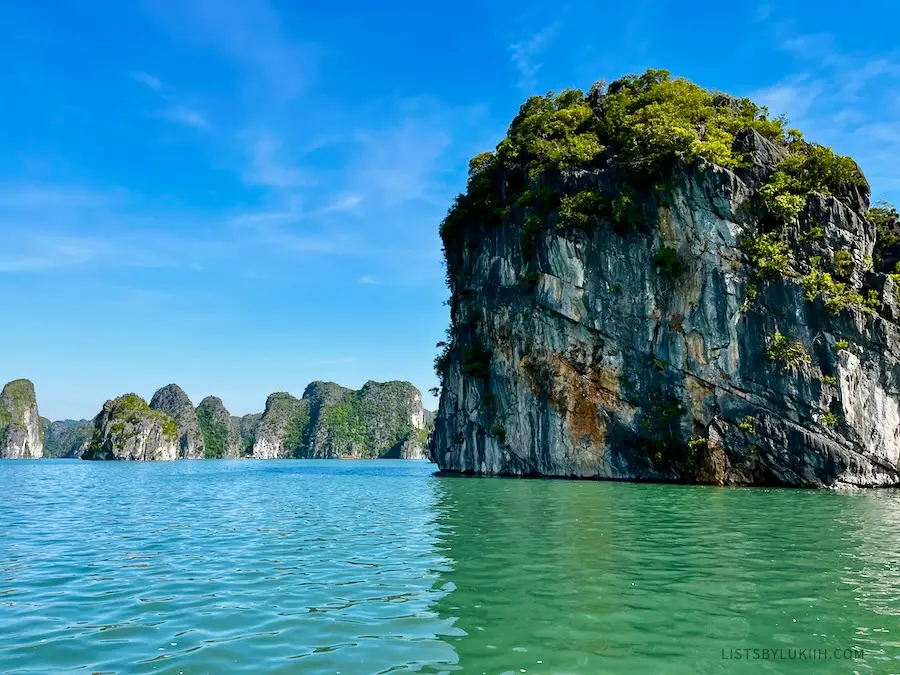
(172,401)
(596,366)
(129,429)
(21,431)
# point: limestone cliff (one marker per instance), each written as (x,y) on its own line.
(129,429)
(21,431)
(172,401)
(221,431)
(656,282)
(66,439)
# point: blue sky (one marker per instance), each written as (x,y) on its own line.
(242,196)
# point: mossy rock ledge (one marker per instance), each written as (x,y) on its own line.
(652,281)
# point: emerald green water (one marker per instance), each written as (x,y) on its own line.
(367,567)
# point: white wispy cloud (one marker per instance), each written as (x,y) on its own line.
(179,114)
(368,281)
(174,110)
(250,34)
(526,55)
(147,79)
(43,253)
(49,227)
(268,169)
(847,100)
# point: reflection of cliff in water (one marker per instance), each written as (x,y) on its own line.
(576,577)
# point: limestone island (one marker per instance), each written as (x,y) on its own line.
(653,281)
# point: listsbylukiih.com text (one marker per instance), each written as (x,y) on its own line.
(792,654)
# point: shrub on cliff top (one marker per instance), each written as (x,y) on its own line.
(808,168)
(551,132)
(653,119)
(643,123)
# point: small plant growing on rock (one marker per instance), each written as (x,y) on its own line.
(842,262)
(747,425)
(790,354)
(830,380)
(769,254)
(583,210)
(841,344)
(815,232)
(697,442)
(476,361)
(836,295)
(829,420)
(668,264)
(499,432)
(626,210)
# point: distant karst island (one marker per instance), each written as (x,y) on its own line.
(380,420)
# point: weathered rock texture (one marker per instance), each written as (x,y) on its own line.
(129,429)
(21,431)
(330,421)
(66,439)
(221,432)
(572,354)
(172,401)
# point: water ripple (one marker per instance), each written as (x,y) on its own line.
(365,567)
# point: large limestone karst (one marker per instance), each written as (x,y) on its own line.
(66,439)
(129,429)
(221,432)
(658,282)
(172,401)
(21,431)
(383,419)
(281,427)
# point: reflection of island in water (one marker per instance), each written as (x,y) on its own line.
(586,577)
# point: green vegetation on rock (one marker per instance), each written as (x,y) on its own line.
(218,428)
(789,354)
(642,124)
(124,417)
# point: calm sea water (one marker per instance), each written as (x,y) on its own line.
(370,567)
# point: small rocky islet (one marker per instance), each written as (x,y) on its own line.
(653,281)
(383,419)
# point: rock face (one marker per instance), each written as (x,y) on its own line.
(21,431)
(67,439)
(330,421)
(172,401)
(129,429)
(221,432)
(710,321)
(281,427)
